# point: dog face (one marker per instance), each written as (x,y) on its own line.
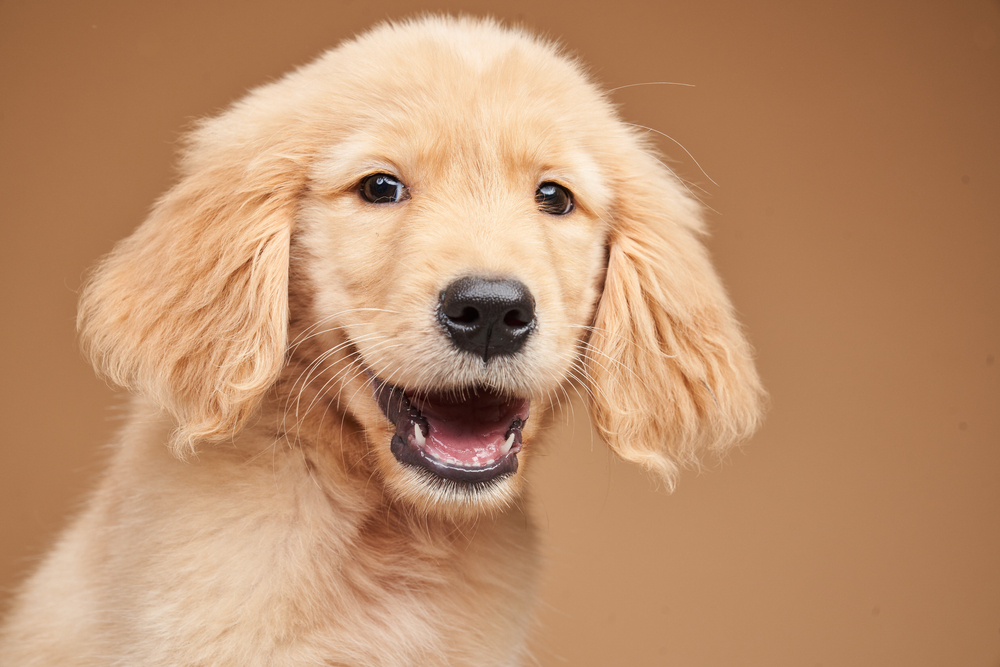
(473,231)
(457,241)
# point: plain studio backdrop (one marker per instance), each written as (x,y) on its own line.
(849,154)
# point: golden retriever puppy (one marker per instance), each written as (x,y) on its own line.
(347,327)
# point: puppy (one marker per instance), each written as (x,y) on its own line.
(347,328)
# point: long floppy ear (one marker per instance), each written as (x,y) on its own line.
(192,308)
(669,371)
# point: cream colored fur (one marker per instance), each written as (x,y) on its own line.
(252,513)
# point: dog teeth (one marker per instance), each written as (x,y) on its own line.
(418,435)
(476,461)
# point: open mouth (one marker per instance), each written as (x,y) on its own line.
(470,436)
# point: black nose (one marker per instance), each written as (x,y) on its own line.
(487,317)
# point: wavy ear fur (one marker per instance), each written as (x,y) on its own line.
(669,370)
(192,308)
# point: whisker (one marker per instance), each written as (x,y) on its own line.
(311,333)
(652,83)
(664,134)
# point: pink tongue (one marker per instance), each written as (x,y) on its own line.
(465,442)
(471,432)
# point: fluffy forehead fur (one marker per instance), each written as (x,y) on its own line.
(263,299)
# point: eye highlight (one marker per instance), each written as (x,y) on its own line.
(382,189)
(553,199)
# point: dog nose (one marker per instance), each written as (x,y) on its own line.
(488,317)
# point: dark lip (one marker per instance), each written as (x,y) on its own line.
(399,410)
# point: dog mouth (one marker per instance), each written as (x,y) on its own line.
(472,435)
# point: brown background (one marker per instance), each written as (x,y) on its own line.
(856,147)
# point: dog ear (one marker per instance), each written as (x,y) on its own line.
(192,308)
(670,373)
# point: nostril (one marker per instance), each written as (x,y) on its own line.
(515,319)
(467,316)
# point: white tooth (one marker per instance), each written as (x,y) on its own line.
(418,435)
(490,462)
(507,445)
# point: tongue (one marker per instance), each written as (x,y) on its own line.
(471,431)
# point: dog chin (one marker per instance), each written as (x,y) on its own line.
(456,450)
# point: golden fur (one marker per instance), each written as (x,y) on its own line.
(252,513)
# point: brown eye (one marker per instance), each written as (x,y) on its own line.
(382,189)
(553,199)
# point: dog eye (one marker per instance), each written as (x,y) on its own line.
(382,189)
(554,199)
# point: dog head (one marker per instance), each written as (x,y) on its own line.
(473,234)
